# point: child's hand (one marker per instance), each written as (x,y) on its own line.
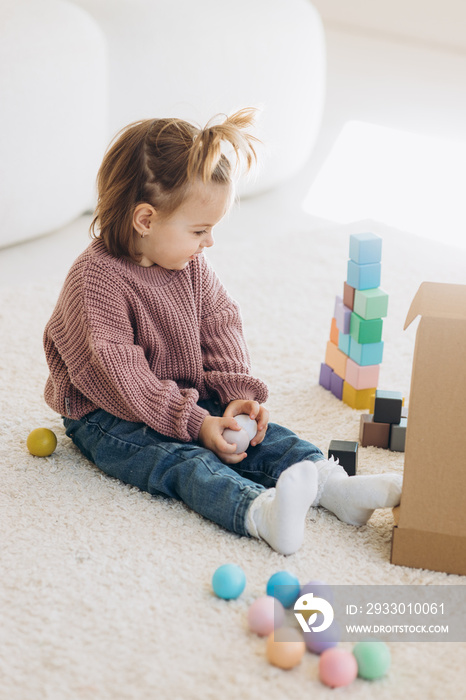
(211,436)
(255,411)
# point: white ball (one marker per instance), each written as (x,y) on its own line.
(241,437)
(248,424)
(238,437)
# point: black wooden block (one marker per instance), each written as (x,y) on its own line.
(347,454)
(387,406)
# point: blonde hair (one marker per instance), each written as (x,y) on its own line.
(155,161)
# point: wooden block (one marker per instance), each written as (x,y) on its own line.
(365,248)
(336,359)
(363,276)
(366,353)
(357,398)
(336,385)
(362,377)
(388,406)
(325,376)
(342,317)
(334,332)
(347,454)
(338,303)
(370,303)
(398,436)
(373,434)
(366,331)
(348,295)
(344,341)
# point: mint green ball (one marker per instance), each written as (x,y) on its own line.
(373,659)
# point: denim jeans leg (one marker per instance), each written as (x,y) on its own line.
(280,449)
(138,455)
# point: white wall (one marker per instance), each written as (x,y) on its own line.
(439,23)
(401,65)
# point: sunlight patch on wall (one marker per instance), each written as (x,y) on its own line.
(409,181)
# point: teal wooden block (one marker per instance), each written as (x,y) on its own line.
(344,340)
(370,303)
(365,248)
(365,331)
(366,354)
(363,276)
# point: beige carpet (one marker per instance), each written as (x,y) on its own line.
(105,591)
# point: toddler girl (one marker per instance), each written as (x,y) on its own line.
(148,362)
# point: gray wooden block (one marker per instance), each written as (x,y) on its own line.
(398,436)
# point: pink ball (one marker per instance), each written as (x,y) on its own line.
(337,667)
(265,615)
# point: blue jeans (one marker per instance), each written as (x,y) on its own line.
(187,471)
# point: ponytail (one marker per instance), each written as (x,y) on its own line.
(155,161)
(206,152)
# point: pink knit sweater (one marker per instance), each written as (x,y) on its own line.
(145,344)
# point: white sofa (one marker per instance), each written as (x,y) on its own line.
(195,59)
(164,58)
(53,115)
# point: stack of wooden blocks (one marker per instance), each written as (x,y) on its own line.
(386,425)
(355,348)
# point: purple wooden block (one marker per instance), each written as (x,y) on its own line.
(338,303)
(342,317)
(336,385)
(325,376)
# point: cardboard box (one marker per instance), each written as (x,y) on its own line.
(431,522)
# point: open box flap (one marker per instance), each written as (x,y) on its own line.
(436,299)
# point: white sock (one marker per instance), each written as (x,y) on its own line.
(278,515)
(354,499)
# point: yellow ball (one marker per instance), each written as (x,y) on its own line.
(285,647)
(41,442)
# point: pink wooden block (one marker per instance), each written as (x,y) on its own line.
(362,377)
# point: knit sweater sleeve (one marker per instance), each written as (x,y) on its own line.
(96,341)
(226,359)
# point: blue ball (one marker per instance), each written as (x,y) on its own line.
(228,581)
(285,587)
